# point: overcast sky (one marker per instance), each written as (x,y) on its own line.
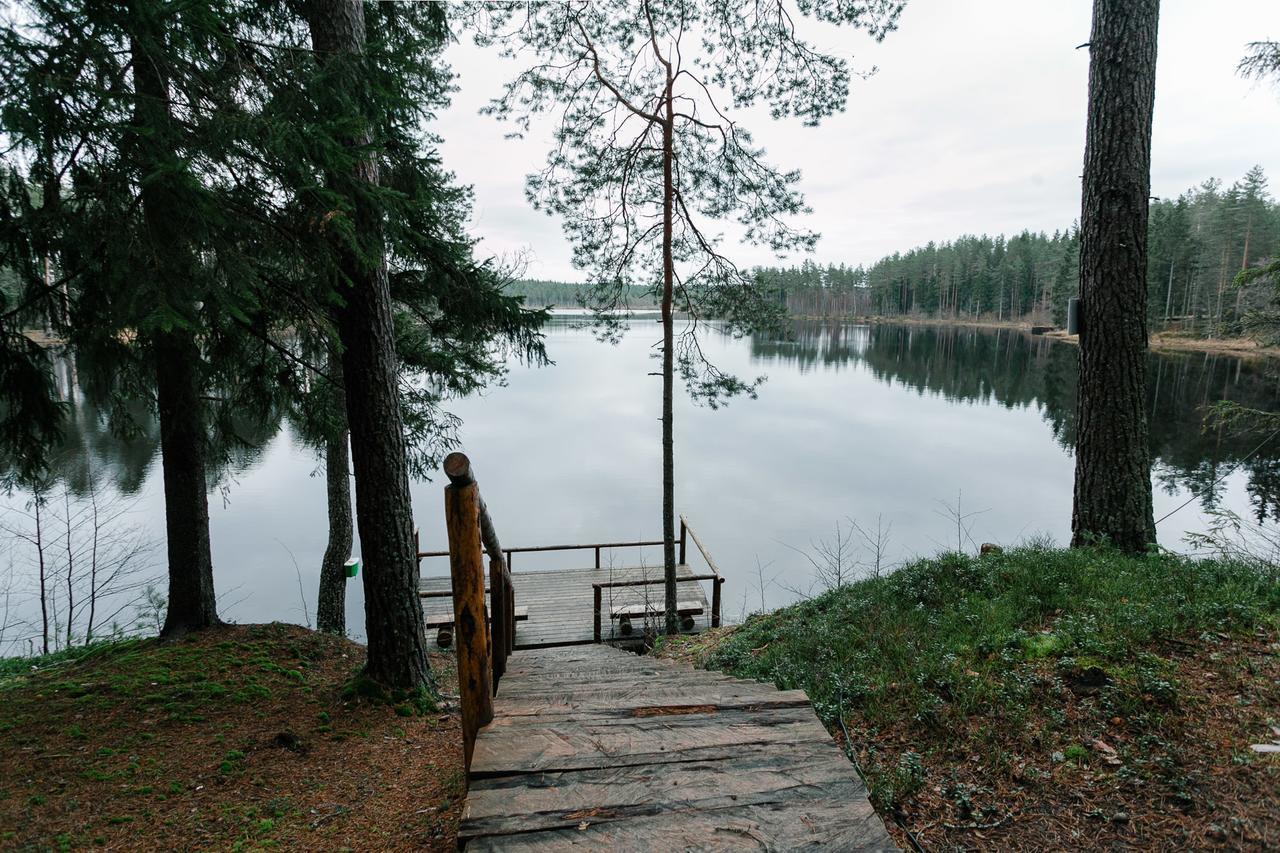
(974,124)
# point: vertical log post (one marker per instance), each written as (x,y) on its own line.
(715,601)
(597,556)
(595,588)
(498,599)
(511,617)
(684,529)
(466,568)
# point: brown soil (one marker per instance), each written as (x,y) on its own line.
(1193,784)
(236,738)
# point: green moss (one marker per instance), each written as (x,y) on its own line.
(955,636)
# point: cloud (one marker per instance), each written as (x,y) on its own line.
(974,124)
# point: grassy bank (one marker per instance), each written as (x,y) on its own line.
(1043,698)
(238,738)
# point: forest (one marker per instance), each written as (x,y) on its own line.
(1198,243)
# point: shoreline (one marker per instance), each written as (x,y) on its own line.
(1157,341)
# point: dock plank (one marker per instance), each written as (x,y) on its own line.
(598,749)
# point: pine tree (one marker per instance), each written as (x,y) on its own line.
(646,159)
(1113,466)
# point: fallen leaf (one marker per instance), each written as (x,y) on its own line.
(1107,750)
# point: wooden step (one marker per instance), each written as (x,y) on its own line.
(595,748)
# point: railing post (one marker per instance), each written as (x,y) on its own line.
(597,556)
(715,601)
(595,588)
(511,613)
(466,568)
(683,531)
(498,618)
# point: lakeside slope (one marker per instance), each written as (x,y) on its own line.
(241,737)
(1042,698)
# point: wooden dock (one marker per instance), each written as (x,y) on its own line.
(599,749)
(561,603)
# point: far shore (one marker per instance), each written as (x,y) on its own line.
(1157,341)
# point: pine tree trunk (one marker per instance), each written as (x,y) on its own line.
(180,405)
(668,368)
(1113,465)
(393,617)
(331,607)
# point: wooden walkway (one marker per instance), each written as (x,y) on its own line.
(598,749)
(561,604)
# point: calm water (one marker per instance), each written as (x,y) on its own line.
(892,423)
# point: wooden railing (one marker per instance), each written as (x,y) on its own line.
(529,549)
(482,653)
(686,533)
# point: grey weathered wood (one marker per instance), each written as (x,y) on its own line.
(692,608)
(445,620)
(560,606)
(594,748)
(808,826)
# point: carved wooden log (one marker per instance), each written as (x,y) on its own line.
(466,568)
(457,467)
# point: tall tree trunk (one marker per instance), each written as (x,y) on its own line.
(397,654)
(668,366)
(192,603)
(179,401)
(1113,464)
(331,609)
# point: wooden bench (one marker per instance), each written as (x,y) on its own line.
(624,613)
(443,623)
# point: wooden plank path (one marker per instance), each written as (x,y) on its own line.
(560,602)
(599,749)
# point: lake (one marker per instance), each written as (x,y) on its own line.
(904,426)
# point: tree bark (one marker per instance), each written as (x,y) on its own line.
(192,603)
(393,617)
(331,607)
(180,407)
(1113,464)
(668,366)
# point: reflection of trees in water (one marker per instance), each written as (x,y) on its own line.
(113,441)
(1017,370)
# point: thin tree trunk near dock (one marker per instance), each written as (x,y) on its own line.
(393,617)
(668,367)
(1113,465)
(331,607)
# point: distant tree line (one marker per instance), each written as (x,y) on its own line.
(541,293)
(1198,243)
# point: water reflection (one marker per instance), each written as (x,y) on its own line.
(855,421)
(1013,369)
